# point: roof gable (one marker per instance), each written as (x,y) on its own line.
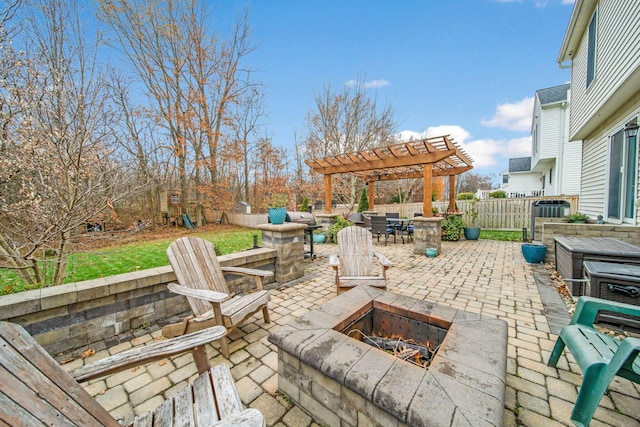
(552,95)
(520,164)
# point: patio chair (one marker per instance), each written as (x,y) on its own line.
(366,220)
(353,264)
(201,280)
(600,356)
(36,390)
(379,227)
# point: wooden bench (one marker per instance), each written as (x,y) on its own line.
(35,390)
(600,356)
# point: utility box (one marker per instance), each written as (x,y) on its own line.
(547,209)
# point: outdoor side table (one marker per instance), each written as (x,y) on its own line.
(614,282)
(571,252)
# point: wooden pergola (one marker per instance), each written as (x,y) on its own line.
(426,158)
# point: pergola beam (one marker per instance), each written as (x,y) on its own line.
(426,159)
(387,163)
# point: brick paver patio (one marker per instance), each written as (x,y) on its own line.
(488,277)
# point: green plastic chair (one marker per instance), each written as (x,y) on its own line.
(600,356)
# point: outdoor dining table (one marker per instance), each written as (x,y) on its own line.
(401,225)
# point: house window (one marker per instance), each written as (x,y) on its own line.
(591,50)
(550,176)
(505,179)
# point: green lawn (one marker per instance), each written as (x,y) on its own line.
(134,256)
(125,258)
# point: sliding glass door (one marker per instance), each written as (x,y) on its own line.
(623,156)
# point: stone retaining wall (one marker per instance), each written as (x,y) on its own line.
(67,317)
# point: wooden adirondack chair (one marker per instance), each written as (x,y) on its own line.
(35,390)
(201,280)
(600,356)
(354,262)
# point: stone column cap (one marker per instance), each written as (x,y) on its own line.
(427,219)
(287,226)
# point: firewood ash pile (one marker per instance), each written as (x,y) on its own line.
(405,349)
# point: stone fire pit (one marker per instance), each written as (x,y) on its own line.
(341,381)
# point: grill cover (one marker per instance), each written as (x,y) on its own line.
(301,217)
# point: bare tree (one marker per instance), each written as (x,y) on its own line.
(139,142)
(56,170)
(193,77)
(271,176)
(347,121)
(470,182)
(246,125)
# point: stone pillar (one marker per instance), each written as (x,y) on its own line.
(426,234)
(288,241)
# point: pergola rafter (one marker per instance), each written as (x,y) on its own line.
(425,158)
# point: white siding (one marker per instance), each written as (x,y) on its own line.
(593,177)
(550,137)
(617,57)
(571,168)
(524,181)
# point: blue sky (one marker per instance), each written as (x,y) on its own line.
(469,68)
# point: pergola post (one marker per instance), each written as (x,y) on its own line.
(371,194)
(452,193)
(327,193)
(426,198)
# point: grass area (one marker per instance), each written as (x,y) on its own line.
(504,235)
(128,257)
(150,253)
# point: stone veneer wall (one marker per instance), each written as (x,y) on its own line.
(70,316)
(288,241)
(426,234)
(626,233)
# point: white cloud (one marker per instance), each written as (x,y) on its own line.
(518,147)
(373,84)
(515,116)
(486,153)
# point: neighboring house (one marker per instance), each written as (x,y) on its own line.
(557,161)
(555,164)
(519,181)
(602,46)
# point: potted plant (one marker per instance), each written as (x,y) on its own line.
(452,227)
(577,218)
(472,232)
(533,253)
(276,208)
(319,236)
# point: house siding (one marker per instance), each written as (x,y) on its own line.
(551,140)
(594,156)
(571,168)
(617,57)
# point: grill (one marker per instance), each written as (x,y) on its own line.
(310,220)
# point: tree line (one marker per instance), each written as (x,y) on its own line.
(104,104)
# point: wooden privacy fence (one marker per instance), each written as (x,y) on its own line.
(506,214)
